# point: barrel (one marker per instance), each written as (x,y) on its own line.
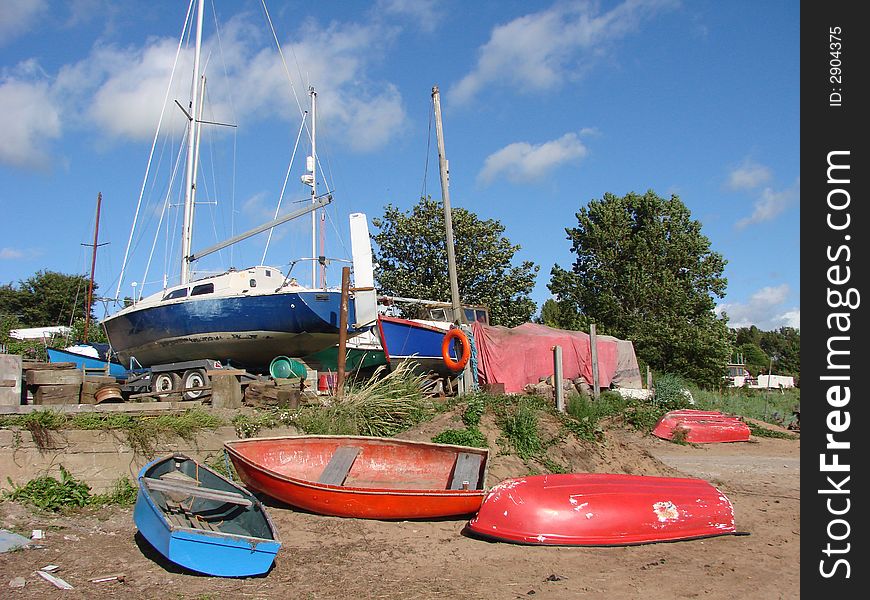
(283,367)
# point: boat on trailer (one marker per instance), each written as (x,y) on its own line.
(701,427)
(364,477)
(203,522)
(591,509)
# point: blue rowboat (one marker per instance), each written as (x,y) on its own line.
(203,522)
(75,354)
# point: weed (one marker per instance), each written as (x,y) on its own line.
(473,412)
(758,431)
(680,436)
(520,427)
(48,493)
(122,493)
(472,436)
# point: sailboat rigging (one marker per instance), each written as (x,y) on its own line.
(242,317)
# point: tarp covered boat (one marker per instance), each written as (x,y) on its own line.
(522,355)
(364,477)
(588,509)
(203,522)
(701,427)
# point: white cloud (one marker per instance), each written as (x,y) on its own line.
(423,13)
(16,17)
(29,119)
(769,205)
(542,50)
(748,175)
(10,254)
(764,309)
(522,161)
(247,82)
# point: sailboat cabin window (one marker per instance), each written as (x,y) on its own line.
(179,293)
(268,273)
(253,283)
(205,288)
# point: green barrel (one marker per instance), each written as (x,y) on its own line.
(283,367)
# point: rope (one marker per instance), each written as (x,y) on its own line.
(472,362)
(228,466)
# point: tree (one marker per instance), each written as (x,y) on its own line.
(46,298)
(645,272)
(411,259)
(561,315)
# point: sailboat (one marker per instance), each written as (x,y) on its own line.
(244,317)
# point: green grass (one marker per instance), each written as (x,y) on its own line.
(471,436)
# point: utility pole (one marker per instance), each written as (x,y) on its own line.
(458,314)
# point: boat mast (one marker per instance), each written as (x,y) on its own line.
(312,168)
(190,177)
(93,267)
(458,313)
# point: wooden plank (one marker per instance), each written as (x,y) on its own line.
(54,377)
(467,470)
(57,394)
(339,465)
(198,492)
(32,364)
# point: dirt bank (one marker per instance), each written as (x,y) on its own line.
(328,557)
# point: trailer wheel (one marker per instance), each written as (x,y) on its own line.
(191,379)
(165,383)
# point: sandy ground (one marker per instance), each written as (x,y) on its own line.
(330,557)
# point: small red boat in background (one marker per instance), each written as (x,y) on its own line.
(701,427)
(364,477)
(588,509)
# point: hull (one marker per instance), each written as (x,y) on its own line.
(239,541)
(406,340)
(245,331)
(388,478)
(83,361)
(701,427)
(584,509)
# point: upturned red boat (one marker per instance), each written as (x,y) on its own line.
(701,427)
(586,509)
(364,477)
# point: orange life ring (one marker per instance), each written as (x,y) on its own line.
(455,365)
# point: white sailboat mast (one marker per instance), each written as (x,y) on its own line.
(190,172)
(313,169)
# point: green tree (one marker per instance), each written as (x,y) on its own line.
(646,273)
(411,259)
(561,315)
(46,298)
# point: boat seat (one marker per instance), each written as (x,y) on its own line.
(466,470)
(339,465)
(161,485)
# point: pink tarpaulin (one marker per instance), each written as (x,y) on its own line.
(522,355)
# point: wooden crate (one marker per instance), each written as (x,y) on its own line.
(57,394)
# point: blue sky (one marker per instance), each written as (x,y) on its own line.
(546,106)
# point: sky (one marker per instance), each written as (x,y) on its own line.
(545,107)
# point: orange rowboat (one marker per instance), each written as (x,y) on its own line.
(589,509)
(364,477)
(702,427)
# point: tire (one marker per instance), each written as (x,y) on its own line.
(194,378)
(166,383)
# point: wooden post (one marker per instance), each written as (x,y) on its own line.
(226,390)
(342,332)
(557,378)
(593,344)
(648,378)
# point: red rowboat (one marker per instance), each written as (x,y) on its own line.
(587,509)
(702,427)
(364,477)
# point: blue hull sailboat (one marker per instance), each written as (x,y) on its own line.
(245,317)
(198,520)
